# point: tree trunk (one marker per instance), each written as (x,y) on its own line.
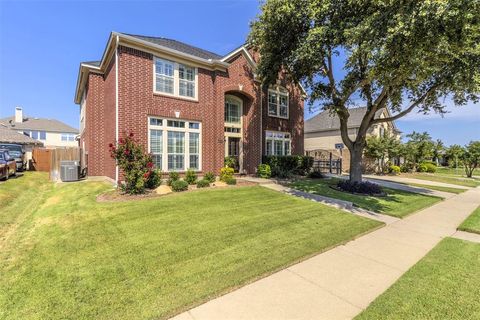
(356,153)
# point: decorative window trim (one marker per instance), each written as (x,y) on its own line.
(279,91)
(187,129)
(272,136)
(176,80)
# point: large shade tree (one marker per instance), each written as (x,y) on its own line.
(396,55)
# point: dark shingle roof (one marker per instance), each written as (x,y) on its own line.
(326,121)
(179,46)
(40,124)
(10,136)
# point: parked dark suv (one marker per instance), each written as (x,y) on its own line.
(16,151)
(8,166)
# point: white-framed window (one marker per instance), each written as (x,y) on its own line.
(186,77)
(175,144)
(278,103)
(164,78)
(67,137)
(277,143)
(233,111)
(175,79)
(39,135)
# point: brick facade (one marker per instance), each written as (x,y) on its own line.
(137,101)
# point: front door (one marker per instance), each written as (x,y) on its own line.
(234,150)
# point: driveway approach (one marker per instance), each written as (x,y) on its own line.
(340,283)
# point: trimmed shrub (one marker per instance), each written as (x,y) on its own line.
(316,174)
(282,166)
(173,176)
(230,162)
(394,169)
(203,183)
(429,167)
(406,167)
(153,179)
(226,173)
(264,171)
(363,187)
(422,168)
(231,181)
(179,185)
(209,176)
(191,176)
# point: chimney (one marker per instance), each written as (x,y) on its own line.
(18,115)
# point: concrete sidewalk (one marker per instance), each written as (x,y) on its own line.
(340,283)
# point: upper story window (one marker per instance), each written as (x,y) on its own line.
(233,110)
(175,79)
(38,135)
(278,103)
(68,137)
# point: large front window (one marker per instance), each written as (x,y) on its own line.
(175,144)
(277,143)
(278,103)
(175,79)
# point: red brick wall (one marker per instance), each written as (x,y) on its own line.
(137,101)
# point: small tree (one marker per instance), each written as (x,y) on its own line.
(136,165)
(454,155)
(471,157)
(418,148)
(395,56)
(438,150)
(382,148)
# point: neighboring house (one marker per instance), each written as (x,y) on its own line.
(52,133)
(323,139)
(189,107)
(8,135)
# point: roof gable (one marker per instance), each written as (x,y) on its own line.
(38,124)
(325,121)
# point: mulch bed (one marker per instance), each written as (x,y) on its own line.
(119,196)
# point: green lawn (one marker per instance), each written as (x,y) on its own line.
(443,285)
(63,255)
(444,189)
(397,203)
(466,182)
(460,172)
(472,223)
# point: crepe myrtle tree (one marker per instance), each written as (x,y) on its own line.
(395,55)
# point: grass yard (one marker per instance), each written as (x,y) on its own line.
(472,223)
(438,188)
(466,182)
(64,255)
(460,172)
(445,284)
(397,203)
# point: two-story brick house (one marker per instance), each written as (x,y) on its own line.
(189,107)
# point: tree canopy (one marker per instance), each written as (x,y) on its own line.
(400,55)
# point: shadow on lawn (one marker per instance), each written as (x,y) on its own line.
(376,204)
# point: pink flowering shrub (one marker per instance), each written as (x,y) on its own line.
(136,165)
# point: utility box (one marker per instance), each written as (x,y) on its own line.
(69,170)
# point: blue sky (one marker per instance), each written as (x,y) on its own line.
(42,43)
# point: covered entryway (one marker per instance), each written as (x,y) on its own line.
(233,130)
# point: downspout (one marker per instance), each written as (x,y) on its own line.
(261,123)
(116,106)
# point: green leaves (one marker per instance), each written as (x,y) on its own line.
(408,47)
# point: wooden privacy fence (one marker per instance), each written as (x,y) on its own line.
(49,159)
(41,159)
